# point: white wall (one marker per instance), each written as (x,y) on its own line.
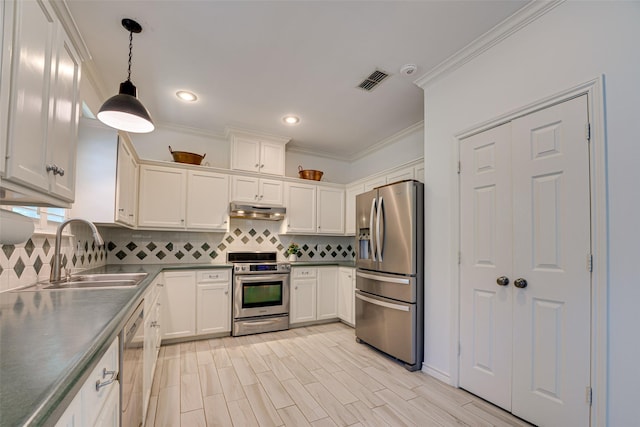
(572,44)
(337,171)
(155,145)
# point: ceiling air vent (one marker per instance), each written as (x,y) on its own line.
(374,79)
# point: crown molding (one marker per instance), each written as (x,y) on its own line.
(514,23)
(315,153)
(69,24)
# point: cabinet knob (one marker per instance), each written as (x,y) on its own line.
(60,172)
(226,292)
(257,165)
(121,210)
(261,166)
(296,287)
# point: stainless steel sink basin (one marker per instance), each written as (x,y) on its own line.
(137,277)
(93,281)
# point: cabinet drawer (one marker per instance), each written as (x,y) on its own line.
(96,398)
(209,276)
(304,272)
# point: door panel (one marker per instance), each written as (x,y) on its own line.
(485,307)
(398,237)
(551,242)
(525,215)
(365,226)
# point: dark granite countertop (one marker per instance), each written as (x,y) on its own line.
(351,264)
(50,340)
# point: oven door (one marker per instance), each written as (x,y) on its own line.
(260,295)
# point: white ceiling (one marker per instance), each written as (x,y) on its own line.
(252,62)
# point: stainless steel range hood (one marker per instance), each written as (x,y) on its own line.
(248,211)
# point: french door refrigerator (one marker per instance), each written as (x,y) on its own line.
(389,276)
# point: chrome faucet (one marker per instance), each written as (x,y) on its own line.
(57,256)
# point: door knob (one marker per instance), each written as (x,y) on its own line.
(502,280)
(520,283)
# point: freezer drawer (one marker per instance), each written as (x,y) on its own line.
(402,288)
(389,326)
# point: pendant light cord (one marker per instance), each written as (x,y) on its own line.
(130,49)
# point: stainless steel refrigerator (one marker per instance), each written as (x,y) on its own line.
(389,277)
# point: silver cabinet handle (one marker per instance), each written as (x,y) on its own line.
(111,379)
(382,303)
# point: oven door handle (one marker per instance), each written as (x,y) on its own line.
(258,322)
(260,278)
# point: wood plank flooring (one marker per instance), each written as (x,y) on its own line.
(312,376)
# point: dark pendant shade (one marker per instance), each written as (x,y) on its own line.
(125,112)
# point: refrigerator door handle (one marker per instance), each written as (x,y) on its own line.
(383,278)
(382,303)
(380,228)
(372,236)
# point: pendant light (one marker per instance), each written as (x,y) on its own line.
(124,111)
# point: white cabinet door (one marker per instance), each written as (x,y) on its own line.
(301,208)
(126,185)
(245,154)
(245,189)
(207,200)
(271,192)
(346,291)
(6,37)
(400,175)
(162,197)
(178,304)
(35,34)
(72,416)
(214,308)
(303,300)
(271,158)
(63,130)
(109,416)
(330,204)
(350,208)
(327,293)
(255,190)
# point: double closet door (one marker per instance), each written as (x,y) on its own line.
(525,280)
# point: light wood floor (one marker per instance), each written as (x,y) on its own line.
(315,376)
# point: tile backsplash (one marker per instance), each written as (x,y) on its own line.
(27,263)
(159,247)
(30,262)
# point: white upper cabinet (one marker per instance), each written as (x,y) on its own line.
(207,200)
(330,206)
(314,209)
(372,183)
(162,200)
(257,153)
(178,198)
(400,175)
(126,186)
(256,190)
(44,102)
(301,208)
(350,208)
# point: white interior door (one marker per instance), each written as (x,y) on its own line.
(485,306)
(525,215)
(552,240)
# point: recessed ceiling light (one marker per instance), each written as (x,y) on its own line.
(186,95)
(291,120)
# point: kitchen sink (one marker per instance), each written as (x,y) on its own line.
(92,281)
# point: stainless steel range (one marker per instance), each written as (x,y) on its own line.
(260,293)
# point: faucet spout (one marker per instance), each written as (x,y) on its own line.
(57,256)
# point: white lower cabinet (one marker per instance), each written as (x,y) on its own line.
(179,303)
(314,294)
(346,295)
(214,301)
(152,338)
(98,401)
(196,302)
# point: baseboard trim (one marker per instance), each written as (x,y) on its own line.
(436,373)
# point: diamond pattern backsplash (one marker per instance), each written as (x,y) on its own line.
(157,247)
(30,262)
